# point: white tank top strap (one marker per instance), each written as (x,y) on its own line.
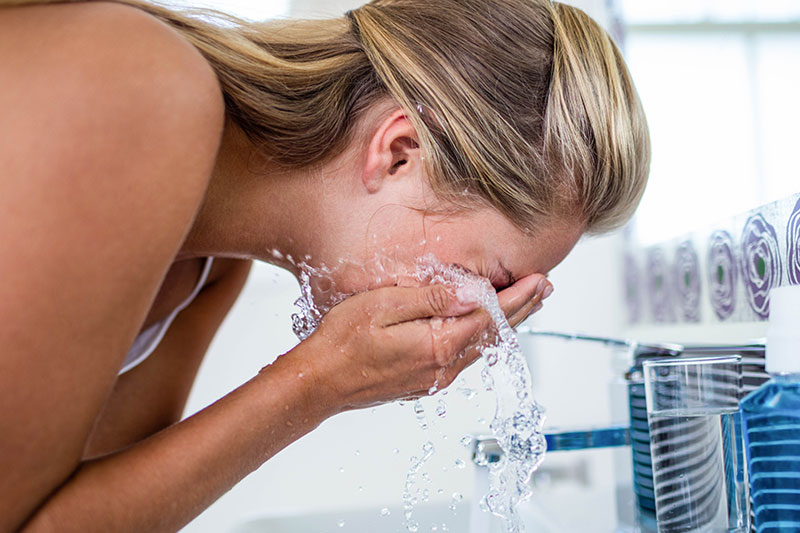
(148,340)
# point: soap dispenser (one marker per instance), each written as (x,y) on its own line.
(771,420)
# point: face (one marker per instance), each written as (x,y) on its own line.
(379,217)
(482,241)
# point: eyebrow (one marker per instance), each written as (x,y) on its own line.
(509,276)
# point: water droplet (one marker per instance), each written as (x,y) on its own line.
(419,411)
(468,393)
(521,422)
(340,523)
(466,441)
(460,464)
(441,409)
(396,451)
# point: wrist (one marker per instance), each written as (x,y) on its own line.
(308,384)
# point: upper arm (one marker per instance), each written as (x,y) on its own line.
(108,133)
(152,395)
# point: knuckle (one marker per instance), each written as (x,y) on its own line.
(437,298)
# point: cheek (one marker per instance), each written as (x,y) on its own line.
(347,280)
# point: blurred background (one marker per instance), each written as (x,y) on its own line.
(719,81)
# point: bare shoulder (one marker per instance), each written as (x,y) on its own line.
(104,51)
(109,127)
(104,100)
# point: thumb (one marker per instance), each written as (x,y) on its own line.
(406,304)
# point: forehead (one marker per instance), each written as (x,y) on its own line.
(486,235)
(539,251)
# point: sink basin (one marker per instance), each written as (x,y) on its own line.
(553,511)
(363,521)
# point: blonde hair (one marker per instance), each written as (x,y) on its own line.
(524,105)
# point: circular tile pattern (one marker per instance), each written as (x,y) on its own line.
(687,281)
(793,245)
(761,263)
(722,273)
(658,286)
(633,297)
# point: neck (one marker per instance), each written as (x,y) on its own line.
(254,209)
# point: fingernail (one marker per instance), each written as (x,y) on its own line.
(466,295)
(547,291)
(541,287)
(536,308)
(465,301)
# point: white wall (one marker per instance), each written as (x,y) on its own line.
(569,380)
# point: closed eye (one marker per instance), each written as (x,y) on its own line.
(498,280)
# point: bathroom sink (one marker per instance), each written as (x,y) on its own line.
(362,521)
(551,512)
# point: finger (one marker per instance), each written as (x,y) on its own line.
(519,295)
(523,314)
(442,339)
(462,332)
(464,359)
(405,304)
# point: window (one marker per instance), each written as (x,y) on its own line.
(719,81)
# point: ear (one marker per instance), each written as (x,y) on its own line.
(393,152)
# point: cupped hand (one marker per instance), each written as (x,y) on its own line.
(518,302)
(388,344)
(524,298)
(399,342)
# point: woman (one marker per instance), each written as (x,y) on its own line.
(139,142)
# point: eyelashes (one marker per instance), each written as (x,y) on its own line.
(498,286)
(464,270)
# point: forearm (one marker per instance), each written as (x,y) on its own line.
(165,481)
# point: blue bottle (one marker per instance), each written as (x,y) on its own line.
(771,419)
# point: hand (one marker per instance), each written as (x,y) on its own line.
(388,344)
(396,343)
(524,298)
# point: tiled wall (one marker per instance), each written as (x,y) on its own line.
(722,274)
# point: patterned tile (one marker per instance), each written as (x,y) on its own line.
(709,276)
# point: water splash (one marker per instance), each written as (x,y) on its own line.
(409,500)
(518,419)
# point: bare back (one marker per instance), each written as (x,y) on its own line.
(108,135)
